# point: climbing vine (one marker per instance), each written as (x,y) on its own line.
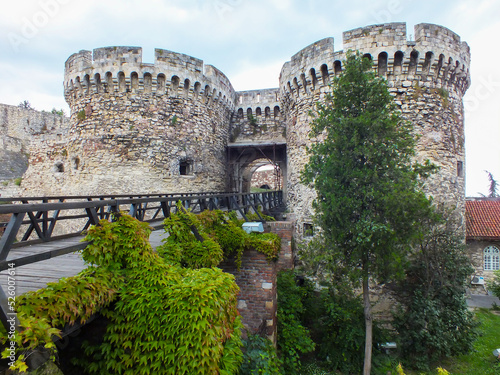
(218,233)
(43,313)
(168,319)
(170,312)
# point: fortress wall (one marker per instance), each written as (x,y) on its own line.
(138,127)
(257,117)
(134,125)
(18,128)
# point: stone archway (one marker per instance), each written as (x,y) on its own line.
(245,159)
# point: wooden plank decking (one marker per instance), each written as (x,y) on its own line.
(35,276)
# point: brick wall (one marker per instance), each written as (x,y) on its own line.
(257,301)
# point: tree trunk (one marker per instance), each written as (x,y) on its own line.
(369,327)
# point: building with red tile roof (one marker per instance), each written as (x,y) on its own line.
(482,216)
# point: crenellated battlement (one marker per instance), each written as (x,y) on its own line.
(258,103)
(112,70)
(436,56)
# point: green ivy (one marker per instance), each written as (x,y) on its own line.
(44,312)
(171,320)
(71,299)
(168,319)
(204,240)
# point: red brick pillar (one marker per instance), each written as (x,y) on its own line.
(257,281)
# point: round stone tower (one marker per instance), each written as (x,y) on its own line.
(139,127)
(428,78)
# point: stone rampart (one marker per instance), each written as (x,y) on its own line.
(257,117)
(18,128)
(149,128)
(164,126)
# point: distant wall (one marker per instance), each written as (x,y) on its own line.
(18,128)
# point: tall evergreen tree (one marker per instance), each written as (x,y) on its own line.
(368,203)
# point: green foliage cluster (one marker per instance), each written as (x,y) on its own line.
(293,338)
(44,312)
(171,320)
(333,318)
(187,244)
(259,357)
(254,217)
(204,240)
(338,328)
(71,299)
(80,116)
(35,335)
(433,320)
(168,319)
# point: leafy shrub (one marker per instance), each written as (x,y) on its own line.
(168,320)
(293,338)
(259,357)
(336,321)
(494,285)
(433,320)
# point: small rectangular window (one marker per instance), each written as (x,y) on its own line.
(460,168)
(308,230)
(185,167)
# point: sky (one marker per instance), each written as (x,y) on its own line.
(248,40)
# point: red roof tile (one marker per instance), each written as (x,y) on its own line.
(482,218)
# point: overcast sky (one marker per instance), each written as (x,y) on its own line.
(248,40)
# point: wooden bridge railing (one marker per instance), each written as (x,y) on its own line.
(34,219)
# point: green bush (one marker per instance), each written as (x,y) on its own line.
(336,321)
(293,338)
(494,285)
(259,357)
(433,320)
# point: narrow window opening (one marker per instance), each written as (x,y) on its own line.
(460,168)
(186,167)
(59,167)
(398,62)
(308,230)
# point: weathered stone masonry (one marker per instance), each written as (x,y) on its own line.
(428,78)
(168,126)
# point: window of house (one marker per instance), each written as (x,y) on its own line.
(491,258)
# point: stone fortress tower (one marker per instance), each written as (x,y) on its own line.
(428,78)
(136,127)
(179,126)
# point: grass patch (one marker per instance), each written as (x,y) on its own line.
(481,361)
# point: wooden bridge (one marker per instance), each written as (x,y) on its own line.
(42,235)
